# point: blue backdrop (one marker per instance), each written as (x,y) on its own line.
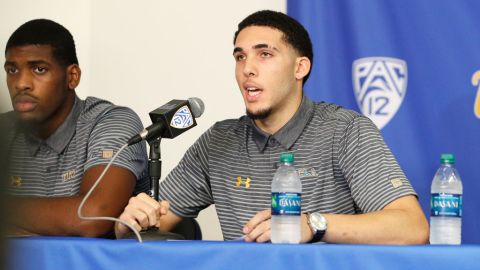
(413,67)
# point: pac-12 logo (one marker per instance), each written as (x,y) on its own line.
(476,82)
(182,118)
(380,85)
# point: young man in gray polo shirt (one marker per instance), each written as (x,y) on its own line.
(353,189)
(59,144)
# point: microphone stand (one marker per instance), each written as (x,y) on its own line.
(155,171)
(154,167)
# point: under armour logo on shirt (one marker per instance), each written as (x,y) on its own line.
(16,181)
(240,182)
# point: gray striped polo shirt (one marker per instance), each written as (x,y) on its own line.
(90,135)
(344,165)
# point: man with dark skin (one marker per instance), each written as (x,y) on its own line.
(54,125)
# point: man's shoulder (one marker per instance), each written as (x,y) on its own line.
(333,112)
(96,107)
(230,125)
(333,116)
(222,130)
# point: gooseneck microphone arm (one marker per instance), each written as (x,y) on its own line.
(147,133)
(154,167)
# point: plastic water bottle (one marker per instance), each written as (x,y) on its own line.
(286,202)
(446,204)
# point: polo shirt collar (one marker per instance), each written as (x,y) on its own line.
(62,136)
(289,133)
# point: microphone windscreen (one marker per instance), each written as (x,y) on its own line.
(197,106)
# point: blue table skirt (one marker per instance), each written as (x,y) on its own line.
(89,253)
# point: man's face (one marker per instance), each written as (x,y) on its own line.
(37,84)
(265,71)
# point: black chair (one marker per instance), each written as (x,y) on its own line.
(189,229)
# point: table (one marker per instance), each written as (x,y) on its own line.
(89,253)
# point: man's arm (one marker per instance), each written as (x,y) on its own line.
(58,216)
(399,222)
(142,212)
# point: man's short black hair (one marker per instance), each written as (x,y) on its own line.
(46,32)
(293,32)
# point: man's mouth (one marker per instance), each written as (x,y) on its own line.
(253,91)
(24,103)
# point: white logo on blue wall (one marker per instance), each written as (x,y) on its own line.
(182,118)
(380,85)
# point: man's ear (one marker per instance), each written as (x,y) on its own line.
(73,76)
(303,66)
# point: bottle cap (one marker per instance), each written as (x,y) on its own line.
(287,157)
(447,158)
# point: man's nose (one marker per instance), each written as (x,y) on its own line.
(23,81)
(250,69)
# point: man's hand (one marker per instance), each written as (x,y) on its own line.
(141,212)
(258,228)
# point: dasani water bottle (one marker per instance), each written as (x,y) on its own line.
(286,202)
(446,204)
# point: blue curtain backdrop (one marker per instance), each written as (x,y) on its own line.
(414,68)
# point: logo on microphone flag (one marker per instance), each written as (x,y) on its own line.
(182,118)
(379,85)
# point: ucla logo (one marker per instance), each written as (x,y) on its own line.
(182,118)
(68,175)
(380,85)
(476,83)
(302,172)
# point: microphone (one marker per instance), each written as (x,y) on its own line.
(171,120)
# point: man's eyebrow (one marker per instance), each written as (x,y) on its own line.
(237,49)
(30,62)
(38,62)
(8,63)
(256,47)
(263,46)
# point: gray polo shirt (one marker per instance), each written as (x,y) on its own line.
(344,165)
(90,135)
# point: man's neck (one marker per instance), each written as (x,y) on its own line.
(280,117)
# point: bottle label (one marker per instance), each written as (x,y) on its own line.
(286,203)
(446,205)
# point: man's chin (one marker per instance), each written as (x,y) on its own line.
(259,114)
(27,122)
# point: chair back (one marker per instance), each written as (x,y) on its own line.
(189,229)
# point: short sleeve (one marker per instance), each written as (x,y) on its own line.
(372,172)
(111,131)
(187,187)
